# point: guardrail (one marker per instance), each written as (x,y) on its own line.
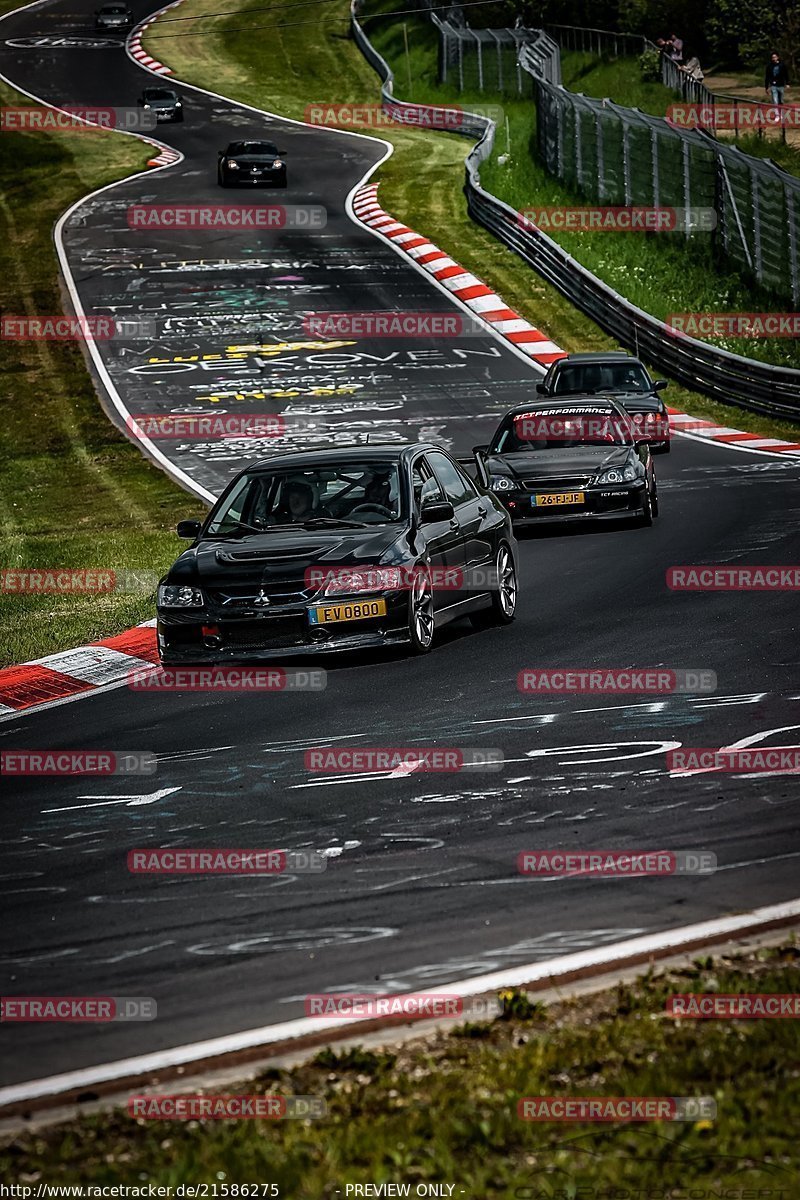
(717,373)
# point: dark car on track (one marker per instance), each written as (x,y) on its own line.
(338,550)
(614,373)
(251,163)
(113,16)
(576,458)
(164,102)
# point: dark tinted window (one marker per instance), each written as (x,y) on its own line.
(424,483)
(252,148)
(457,487)
(587,378)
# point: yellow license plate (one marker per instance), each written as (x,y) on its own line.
(353,610)
(543,499)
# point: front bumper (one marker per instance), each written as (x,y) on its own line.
(283,633)
(612,503)
(268,179)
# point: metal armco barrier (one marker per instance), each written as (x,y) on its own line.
(730,378)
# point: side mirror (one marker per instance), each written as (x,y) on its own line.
(541,389)
(188,529)
(281,152)
(660,384)
(480,449)
(436,510)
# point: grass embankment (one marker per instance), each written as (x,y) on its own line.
(443,1109)
(73,491)
(285,64)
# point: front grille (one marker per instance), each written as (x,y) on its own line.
(561,483)
(250,596)
(264,635)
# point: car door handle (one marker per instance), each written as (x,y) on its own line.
(454,523)
(482,510)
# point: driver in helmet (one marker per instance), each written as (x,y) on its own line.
(299,502)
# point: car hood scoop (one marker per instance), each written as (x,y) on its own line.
(266,555)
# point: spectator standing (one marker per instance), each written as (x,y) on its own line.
(672,47)
(776,78)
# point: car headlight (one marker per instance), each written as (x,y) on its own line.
(345,582)
(232,163)
(500,483)
(145,106)
(179,596)
(278,163)
(179,104)
(617,475)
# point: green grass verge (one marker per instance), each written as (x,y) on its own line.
(443,1108)
(73,491)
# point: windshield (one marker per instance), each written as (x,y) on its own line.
(557,428)
(252,148)
(159,94)
(577,379)
(363,493)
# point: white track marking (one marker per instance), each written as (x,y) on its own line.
(594,960)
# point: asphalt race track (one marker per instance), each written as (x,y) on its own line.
(421,885)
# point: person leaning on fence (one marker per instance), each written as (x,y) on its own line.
(693,70)
(776,78)
(672,47)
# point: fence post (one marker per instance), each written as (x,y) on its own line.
(578,154)
(560,141)
(479,48)
(757,253)
(654,150)
(791,214)
(687,181)
(601,166)
(626,162)
(460,62)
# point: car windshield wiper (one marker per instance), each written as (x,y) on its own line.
(321,522)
